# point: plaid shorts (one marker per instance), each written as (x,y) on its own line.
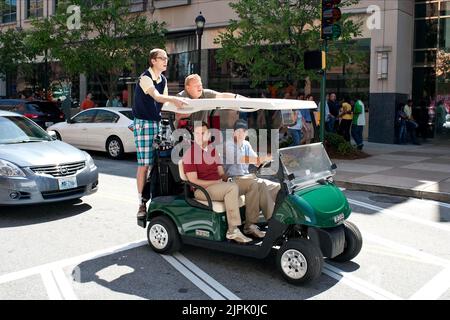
(145,132)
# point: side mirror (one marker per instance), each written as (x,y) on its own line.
(53,135)
(333,166)
(69,121)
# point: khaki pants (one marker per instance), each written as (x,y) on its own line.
(259,194)
(268,191)
(228,193)
(249,187)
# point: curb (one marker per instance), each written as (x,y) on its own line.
(396,191)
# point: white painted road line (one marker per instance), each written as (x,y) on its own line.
(50,286)
(193,278)
(70,261)
(442,204)
(435,288)
(64,285)
(437,225)
(426,257)
(358,284)
(205,277)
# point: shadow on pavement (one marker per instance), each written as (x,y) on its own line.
(17,216)
(142,273)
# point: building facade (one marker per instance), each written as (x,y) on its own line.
(405,42)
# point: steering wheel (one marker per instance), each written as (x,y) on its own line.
(263,165)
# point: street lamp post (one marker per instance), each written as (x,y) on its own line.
(200,24)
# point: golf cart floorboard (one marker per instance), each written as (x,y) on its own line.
(256,249)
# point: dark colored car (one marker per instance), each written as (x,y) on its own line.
(44,113)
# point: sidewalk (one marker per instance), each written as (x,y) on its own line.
(406,170)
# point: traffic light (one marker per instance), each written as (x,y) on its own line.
(330,15)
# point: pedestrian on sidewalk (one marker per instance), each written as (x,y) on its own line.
(400,124)
(307,125)
(346,116)
(441,115)
(358,123)
(411,124)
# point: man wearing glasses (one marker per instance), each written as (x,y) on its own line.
(149,96)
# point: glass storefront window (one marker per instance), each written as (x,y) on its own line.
(425,10)
(445,9)
(427,57)
(426,33)
(424,83)
(444,33)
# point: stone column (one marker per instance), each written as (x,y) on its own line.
(392,85)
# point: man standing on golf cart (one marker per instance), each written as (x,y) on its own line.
(238,155)
(193,89)
(203,167)
(150,93)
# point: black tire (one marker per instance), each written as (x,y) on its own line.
(114,148)
(353,243)
(169,240)
(310,257)
(58,136)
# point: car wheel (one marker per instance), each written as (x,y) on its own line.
(162,235)
(58,136)
(114,147)
(300,261)
(353,243)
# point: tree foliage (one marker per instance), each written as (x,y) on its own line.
(109,40)
(271,36)
(13,51)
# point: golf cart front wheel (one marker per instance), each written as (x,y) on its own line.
(300,261)
(162,235)
(353,243)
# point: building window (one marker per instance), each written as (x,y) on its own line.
(444,33)
(170,3)
(35,8)
(8,11)
(138,5)
(426,33)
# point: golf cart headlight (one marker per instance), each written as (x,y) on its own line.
(8,169)
(90,162)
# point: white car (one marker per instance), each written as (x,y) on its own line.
(100,129)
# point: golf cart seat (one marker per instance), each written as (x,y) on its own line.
(216,206)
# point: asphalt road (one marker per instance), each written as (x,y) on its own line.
(93,249)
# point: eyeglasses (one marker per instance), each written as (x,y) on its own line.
(163,58)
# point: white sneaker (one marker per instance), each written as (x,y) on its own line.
(253,230)
(237,236)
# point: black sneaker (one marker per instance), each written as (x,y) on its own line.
(142,212)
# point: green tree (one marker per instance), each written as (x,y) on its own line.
(271,36)
(13,51)
(108,41)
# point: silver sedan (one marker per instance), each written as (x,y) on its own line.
(36,168)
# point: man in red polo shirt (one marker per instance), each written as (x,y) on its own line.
(203,167)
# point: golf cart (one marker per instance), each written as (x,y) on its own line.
(310,216)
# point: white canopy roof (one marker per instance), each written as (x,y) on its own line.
(240,104)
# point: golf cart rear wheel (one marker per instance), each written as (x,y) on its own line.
(299,261)
(162,235)
(353,243)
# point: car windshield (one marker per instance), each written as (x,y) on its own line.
(128,114)
(15,129)
(307,163)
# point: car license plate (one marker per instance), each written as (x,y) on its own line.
(67,183)
(48,124)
